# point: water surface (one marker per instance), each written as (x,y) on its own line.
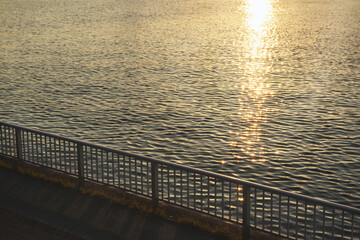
(263,90)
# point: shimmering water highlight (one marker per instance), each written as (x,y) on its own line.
(264,90)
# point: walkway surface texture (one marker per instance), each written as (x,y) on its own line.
(34,209)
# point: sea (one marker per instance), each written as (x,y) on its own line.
(263,90)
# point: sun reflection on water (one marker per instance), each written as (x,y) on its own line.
(259,12)
(255,89)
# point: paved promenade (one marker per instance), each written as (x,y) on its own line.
(34,209)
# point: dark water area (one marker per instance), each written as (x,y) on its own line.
(262,90)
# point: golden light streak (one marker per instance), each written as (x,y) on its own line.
(259,24)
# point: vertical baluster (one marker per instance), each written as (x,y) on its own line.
(201,192)
(237,202)
(246,212)
(5,141)
(87,162)
(14,149)
(154,180)
(323,222)
(118,169)
(141,175)
(168,181)
(162,181)
(102,165)
(75,158)
(41,150)
(32,147)
(72,156)
(147,174)
(46,150)
(9,141)
(23,145)
(255,208)
(107,167)
(271,212)
(113,168)
(136,175)
(195,191)
(280,214)
(65,156)
(342,225)
(297,218)
(188,188)
(8,145)
(305,220)
(2,139)
(181,187)
(19,151)
(124,173)
(68,156)
(8,149)
(263,209)
(56,162)
(352,226)
(230,190)
(288,216)
(97,163)
(174,177)
(80,163)
(314,223)
(12,143)
(208,178)
(130,177)
(194,184)
(36,150)
(92,161)
(222,199)
(333,223)
(50,149)
(60,155)
(215,196)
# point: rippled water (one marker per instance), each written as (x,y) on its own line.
(263,90)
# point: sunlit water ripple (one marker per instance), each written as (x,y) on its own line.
(263,90)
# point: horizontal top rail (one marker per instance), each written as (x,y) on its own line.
(221,177)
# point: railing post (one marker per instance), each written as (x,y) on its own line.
(18,144)
(80,163)
(246,213)
(154,184)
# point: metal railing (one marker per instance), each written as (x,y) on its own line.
(255,206)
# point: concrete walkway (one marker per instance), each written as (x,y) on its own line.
(34,209)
